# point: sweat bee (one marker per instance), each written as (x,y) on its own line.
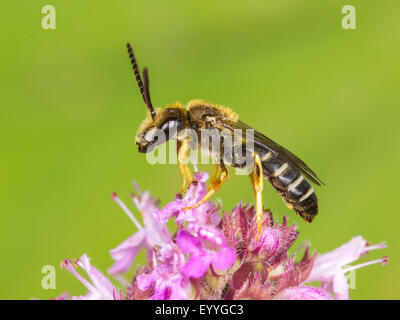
(286,172)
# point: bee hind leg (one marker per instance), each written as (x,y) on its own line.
(215,185)
(257,181)
(183,147)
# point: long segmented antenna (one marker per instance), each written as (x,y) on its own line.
(147,89)
(144,88)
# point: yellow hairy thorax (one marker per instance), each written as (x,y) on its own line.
(223,111)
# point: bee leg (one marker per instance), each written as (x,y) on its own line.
(213,177)
(184,170)
(189,176)
(256,178)
(214,187)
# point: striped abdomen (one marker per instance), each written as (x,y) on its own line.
(295,190)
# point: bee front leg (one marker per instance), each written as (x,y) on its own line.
(257,181)
(183,147)
(214,186)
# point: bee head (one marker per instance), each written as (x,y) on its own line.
(165,125)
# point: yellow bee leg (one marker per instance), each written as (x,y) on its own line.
(184,170)
(188,175)
(214,187)
(213,177)
(257,181)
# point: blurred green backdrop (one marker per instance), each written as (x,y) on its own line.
(70,109)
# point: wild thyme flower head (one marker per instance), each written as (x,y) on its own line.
(209,257)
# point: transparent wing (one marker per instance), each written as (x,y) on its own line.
(274,147)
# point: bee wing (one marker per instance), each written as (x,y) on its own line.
(274,147)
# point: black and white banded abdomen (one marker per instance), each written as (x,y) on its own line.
(295,190)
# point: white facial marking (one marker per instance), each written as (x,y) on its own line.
(165,125)
(171,124)
(149,137)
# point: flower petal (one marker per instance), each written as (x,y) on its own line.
(170,210)
(340,287)
(345,254)
(328,268)
(302,293)
(144,281)
(188,243)
(157,233)
(104,287)
(224,259)
(126,252)
(197,266)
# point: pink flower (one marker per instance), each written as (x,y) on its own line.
(152,234)
(100,288)
(219,258)
(166,278)
(330,268)
(207,249)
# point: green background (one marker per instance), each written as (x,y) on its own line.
(70,109)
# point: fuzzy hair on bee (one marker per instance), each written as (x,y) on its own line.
(288,174)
